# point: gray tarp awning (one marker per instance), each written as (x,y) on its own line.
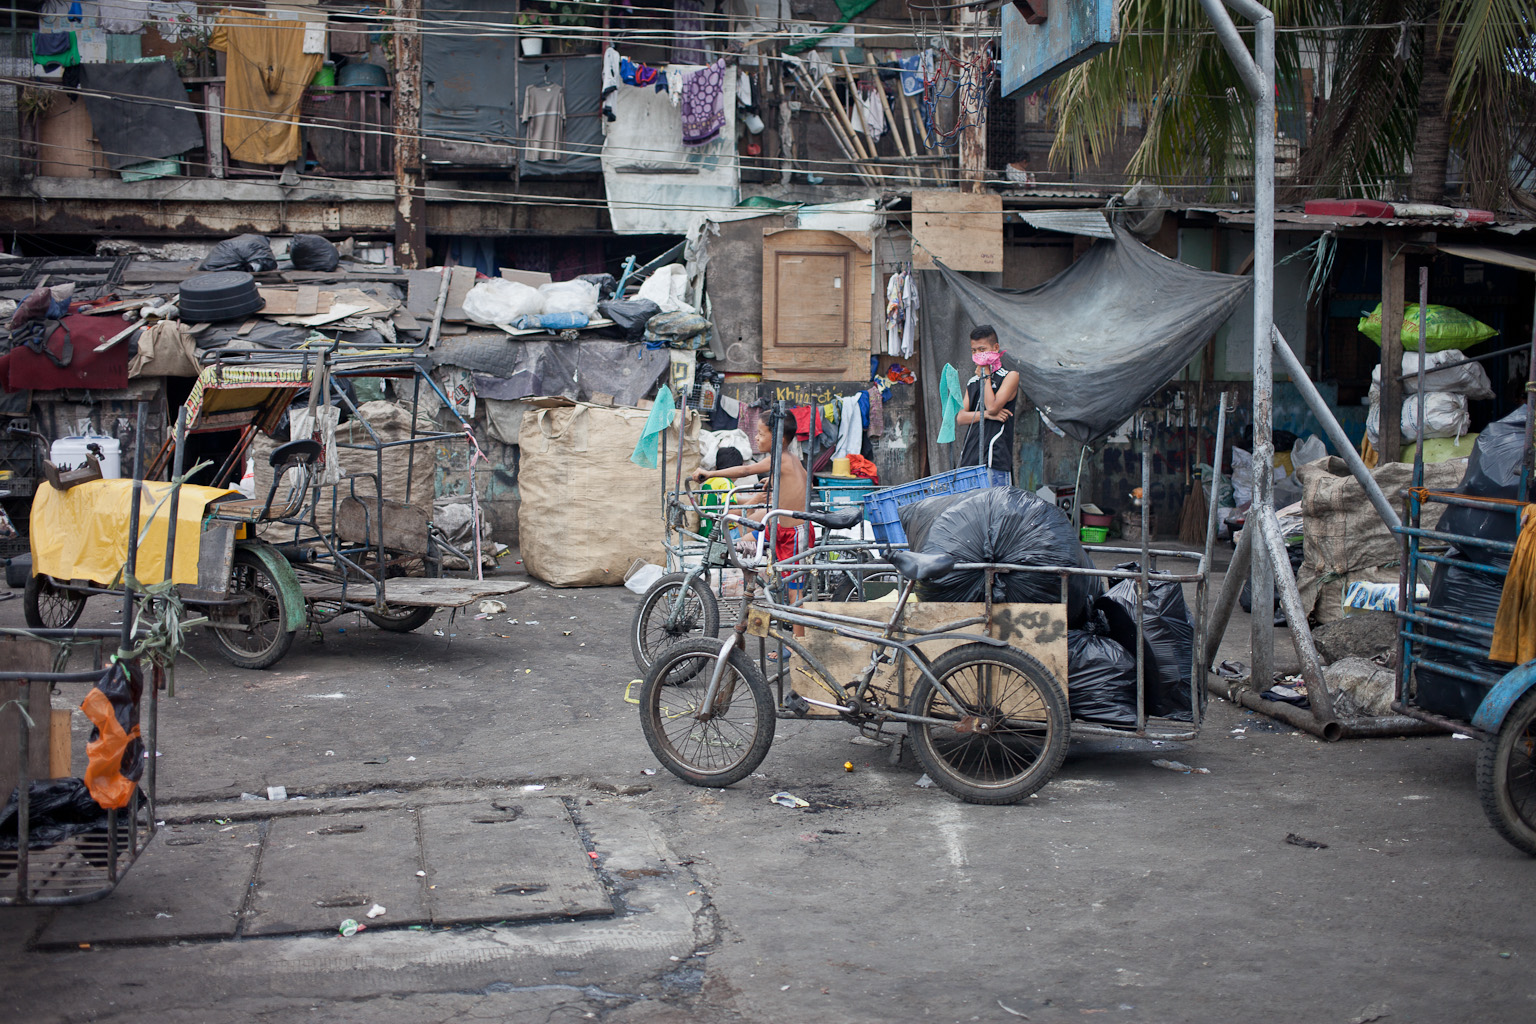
(1488,254)
(1091,344)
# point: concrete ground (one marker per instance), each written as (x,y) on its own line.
(1120,889)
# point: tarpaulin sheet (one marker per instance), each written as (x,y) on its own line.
(1092,343)
(473,84)
(139,112)
(82,533)
(507,370)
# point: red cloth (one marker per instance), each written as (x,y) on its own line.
(789,541)
(860,466)
(803,420)
(21,368)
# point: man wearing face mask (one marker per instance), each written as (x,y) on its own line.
(989,400)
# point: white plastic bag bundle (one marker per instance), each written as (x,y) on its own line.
(570,297)
(668,288)
(1242,478)
(499,301)
(1449,371)
(1444,416)
(711,441)
(1309,450)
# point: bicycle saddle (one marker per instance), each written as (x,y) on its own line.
(919,565)
(842,520)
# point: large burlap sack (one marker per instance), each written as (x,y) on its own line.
(586,513)
(1345,540)
(358,467)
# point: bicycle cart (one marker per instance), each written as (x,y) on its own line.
(988,718)
(309,546)
(1444,675)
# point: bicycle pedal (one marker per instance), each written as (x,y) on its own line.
(795,705)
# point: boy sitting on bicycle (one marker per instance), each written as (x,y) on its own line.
(790,536)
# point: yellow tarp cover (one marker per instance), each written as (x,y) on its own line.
(82,533)
(264,79)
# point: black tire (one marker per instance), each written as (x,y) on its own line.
(728,747)
(404,619)
(1016,737)
(256,633)
(648,633)
(46,605)
(1506,776)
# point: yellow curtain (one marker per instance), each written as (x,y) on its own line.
(1514,631)
(265,76)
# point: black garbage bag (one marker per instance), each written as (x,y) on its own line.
(311,252)
(630,314)
(1101,675)
(1295,553)
(606,283)
(60,808)
(1461,590)
(250,253)
(1493,471)
(1001,524)
(1170,640)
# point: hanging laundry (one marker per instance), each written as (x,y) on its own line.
(951,397)
(870,115)
(122,17)
(265,78)
(544,122)
(631,73)
(912,70)
(688,30)
(909,317)
(703,104)
(850,434)
(611,79)
(893,313)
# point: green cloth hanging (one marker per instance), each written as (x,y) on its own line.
(658,423)
(951,397)
(849,9)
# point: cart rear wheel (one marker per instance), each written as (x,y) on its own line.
(404,618)
(1012,735)
(1506,775)
(699,616)
(46,605)
(733,742)
(254,633)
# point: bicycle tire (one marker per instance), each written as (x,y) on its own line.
(403,618)
(1015,739)
(1506,776)
(723,750)
(648,633)
(45,605)
(258,636)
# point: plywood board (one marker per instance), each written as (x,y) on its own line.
(1039,630)
(462,279)
(817,307)
(531,278)
(964,230)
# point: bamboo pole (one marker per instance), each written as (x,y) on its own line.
(872,176)
(910,114)
(836,128)
(890,118)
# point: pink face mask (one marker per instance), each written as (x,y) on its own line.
(992,359)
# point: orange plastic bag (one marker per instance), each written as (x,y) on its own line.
(115,754)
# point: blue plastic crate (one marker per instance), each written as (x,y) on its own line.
(838,491)
(881,507)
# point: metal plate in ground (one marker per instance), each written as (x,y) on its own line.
(187,884)
(511,860)
(319,870)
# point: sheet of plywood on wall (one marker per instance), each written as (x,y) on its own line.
(963,230)
(816,306)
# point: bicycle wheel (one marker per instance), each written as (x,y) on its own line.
(46,605)
(650,635)
(1013,735)
(253,633)
(1506,775)
(404,618)
(733,741)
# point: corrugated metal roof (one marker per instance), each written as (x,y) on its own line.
(1069,222)
(1488,254)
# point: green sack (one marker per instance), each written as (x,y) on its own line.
(1444,328)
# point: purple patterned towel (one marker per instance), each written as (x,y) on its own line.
(703,104)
